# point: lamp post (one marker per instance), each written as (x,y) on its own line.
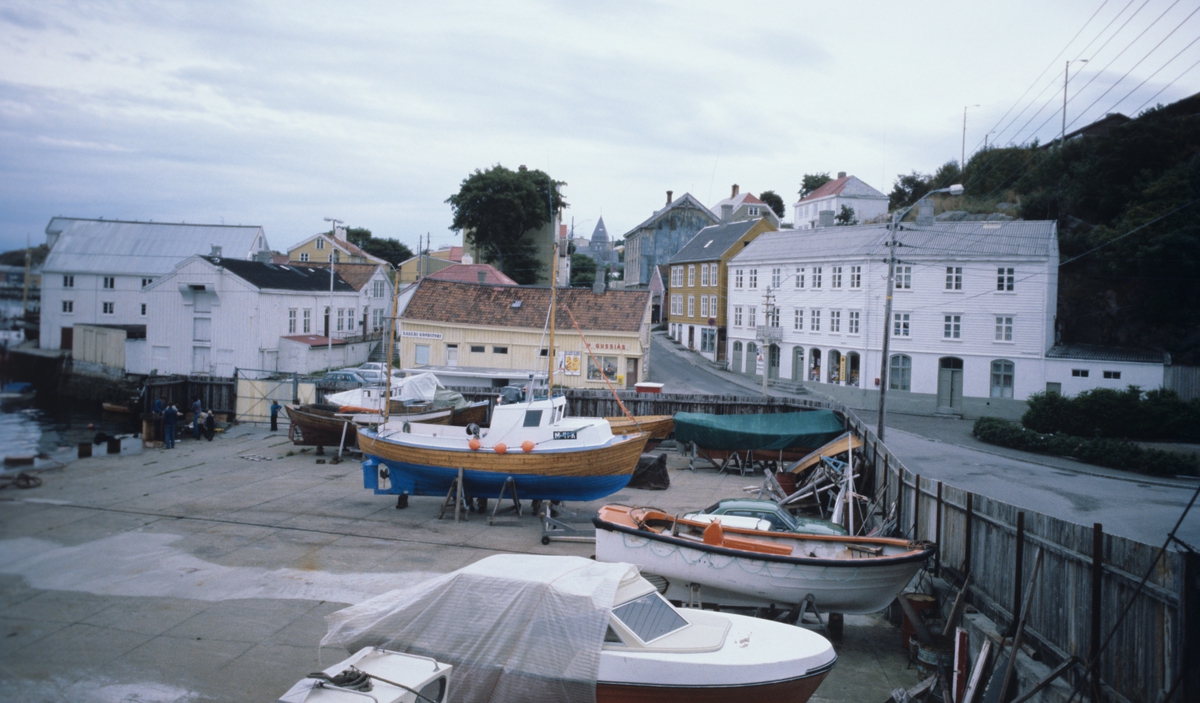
(962,160)
(1066,73)
(955,189)
(329,315)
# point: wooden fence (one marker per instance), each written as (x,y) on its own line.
(218,394)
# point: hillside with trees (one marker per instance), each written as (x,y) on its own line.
(1128,209)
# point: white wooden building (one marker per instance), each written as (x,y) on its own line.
(97,270)
(214,316)
(868,203)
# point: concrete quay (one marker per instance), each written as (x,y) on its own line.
(203,573)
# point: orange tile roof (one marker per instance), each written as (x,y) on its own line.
(829,188)
(489,305)
(469,273)
(357,275)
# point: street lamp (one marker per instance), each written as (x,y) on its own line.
(1066,73)
(329,314)
(962,161)
(884,365)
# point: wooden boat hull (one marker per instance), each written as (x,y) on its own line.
(657,426)
(311,427)
(576,475)
(734,576)
(796,690)
(475,413)
(114,408)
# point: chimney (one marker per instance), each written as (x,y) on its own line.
(467,259)
(925,213)
(727,212)
(735,191)
(825,218)
(339,233)
(216,251)
(669,194)
(598,286)
(263,256)
(481,276)
(841,174)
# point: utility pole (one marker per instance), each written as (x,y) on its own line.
(766,337)
(329,315)
(962,161)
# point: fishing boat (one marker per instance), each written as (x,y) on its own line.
(776,437)
(656,426)
(323,425)
(17,392)
(572,629)
(409,398)
(736,566)
(378,674)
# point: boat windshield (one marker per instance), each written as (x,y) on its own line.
(650,617)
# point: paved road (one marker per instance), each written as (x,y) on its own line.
(1127,504)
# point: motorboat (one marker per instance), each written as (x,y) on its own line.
(737,565)
(409,398)
(374,673)
(17,392)
(573,629)
(548,455)
(324,425)
(658,427)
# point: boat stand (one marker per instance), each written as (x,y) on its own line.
(556,528)
(798,611)
(509,487)
(456,497)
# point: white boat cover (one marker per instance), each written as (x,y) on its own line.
(516,627)
(421,387)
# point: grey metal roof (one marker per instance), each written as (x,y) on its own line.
(600,234)
(1095,352)
(687,200)
(711,242)
(136,248)
(958,240)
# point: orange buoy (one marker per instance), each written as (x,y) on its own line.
(500,448)
(473,444)
(527,445)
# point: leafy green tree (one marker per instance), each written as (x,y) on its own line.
(583,271)
(846,217)
(390,250)
(773,201)
(812,181)
(497,207)
(908,190)
(947,175)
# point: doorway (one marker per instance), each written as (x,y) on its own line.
(631,373)
(451,355)
(773,361)
(797,363)
(68,338)
(950,384)
(751,359)
(691,337)
(737,357)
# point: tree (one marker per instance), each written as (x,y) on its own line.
(583,271)
(389,250)
(846,217)
(908,190)
(497,207)
(772,199)
(812,181)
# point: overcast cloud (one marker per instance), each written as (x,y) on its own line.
(282,113)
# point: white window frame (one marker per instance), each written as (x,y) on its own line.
(68,280)
(751,317)
(954,278)
(776,278)
(304,257)
(835,277)
(1006,279)
(835,321)
(1004,328)
(737,315)
(814,320)
(307,321)
(952,325)
(291,320)
(704,306)
(798,319)
(320,242)
(712,306)
(691,275)
(800,277)
(691,306)
(143,309)
(903,278)
(110,282)
(68,307)
(856,277)
(902,324)
(853,318)
(737,278)
(108,307)
(703,275)
(816,277)
(753,278)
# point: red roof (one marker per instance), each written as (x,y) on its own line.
(752,199)
(314,340)
(831,188)
(469,273)
(280,259)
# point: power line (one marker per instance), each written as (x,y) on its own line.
(1181,75)
(1160,68)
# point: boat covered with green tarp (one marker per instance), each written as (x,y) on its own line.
(777,431)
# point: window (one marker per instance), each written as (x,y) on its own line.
(776,277)
(737,278)
(772,317)
(110,282)
(814,321)
(533,418)
(320,243)
(798,319)
(303,256)
(1004,329)
(543,352)
(704,306)
(1005,278)
(708,339)
(754,278)
(704,275)
(1115,375)
(900,324)
(143,309)
(816,277)
(900,373)
(292,321)
(752,211)
(676,304)
(422,354)
(712,305)
(478,348)
(856,276)
(68,281)
(835,321)
(147,281)
(691,306)
(835,277)
(751,320)
(201,329)
(376,319)
(68,306)
(954,278)
(904,278)
(953,327)
(737,316)
(308,321)
(649,617)
(1002,378)
(852,320)
(713,275)
(108,308)
(499,350)
(799,277)
(609,364)
(341,323)
(1079,373)
(377,289)
(691,276)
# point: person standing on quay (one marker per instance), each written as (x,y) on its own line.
(275,408)
(196,410)
(170,418)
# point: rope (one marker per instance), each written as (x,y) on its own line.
(21,480)
(603,375)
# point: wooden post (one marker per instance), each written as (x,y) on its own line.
(916,516)
(1190,620)
(1094,633)
(937,532)
(967,533)
(1018,572)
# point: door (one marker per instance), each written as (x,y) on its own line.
(950,380)
(326,322)
(773,361)
(68,338)
(737,357)
(751,358)
(200,359)
(691,337)
(451,355)
(797,363)
(631,373)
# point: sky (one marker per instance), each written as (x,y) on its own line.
(281,114)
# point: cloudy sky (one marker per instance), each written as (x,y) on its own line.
(282,113)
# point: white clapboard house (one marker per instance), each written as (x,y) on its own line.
(97,271)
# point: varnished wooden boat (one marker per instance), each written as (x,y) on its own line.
(656,426)
(321,425)
(115,408)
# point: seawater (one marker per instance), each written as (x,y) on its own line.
(55,428)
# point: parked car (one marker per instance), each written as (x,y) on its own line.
(779,519)
(338,381)
(374,372)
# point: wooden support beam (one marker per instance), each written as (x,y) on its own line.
(960,602)
(917,623)
(1097,581)
(1018,573)
(1016,645)
(977,673)
(1058,671)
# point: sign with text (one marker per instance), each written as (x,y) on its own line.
(421,335)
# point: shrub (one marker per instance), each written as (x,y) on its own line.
(1158,414)
(1113,453)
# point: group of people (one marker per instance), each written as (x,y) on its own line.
(168,416)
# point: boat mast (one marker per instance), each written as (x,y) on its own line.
(387,385)
(553,304)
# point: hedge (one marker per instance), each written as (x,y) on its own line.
(1158,414)
(1113,453)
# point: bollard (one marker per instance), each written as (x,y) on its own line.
(114,445)
(85,450)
